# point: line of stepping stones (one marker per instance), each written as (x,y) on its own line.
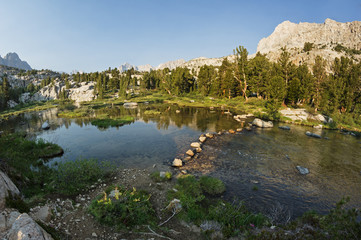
(196,146)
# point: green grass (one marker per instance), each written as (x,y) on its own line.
(72,177)
(151,112)
(109,122)
(29,107)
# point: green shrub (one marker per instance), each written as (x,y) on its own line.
(235,218)
(212,186)
(123,208)
(15,201)
(74,176)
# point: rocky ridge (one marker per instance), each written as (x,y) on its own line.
(324,37)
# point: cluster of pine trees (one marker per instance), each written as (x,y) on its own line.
(280,82)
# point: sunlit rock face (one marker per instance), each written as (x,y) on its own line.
(324,37)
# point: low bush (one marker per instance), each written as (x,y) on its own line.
(212,186)
(123,208)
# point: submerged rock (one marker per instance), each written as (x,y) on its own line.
(209,135)
(310,134)
(262,124)
(284,127)
(303,170)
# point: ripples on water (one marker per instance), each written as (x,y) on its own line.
(265,158)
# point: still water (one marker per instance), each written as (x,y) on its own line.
(257,166)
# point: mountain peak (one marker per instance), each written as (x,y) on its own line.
(12,59)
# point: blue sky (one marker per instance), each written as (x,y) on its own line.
(92,35)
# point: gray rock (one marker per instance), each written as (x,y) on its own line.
(12,104)
(262,124)
(162,174)
(43,213)
(130,105)
(310,134)
(25,228)
(284,127)
(6,186)
(302,170)
(45,126)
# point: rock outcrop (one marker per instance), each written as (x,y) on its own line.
(262,124)
(6,187)
(82,93)
(16,226)
(324,37)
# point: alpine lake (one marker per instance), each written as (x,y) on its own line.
(258,166)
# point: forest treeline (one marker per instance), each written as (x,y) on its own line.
(280,82)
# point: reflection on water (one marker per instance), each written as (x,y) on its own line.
(263,158)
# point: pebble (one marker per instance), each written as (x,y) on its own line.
(94,234)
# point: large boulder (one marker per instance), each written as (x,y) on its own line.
(262,124)
(6,187)
(22,227)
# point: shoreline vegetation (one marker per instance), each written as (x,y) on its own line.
(254,106)
(194,200)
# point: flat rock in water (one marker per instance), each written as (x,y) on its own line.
(239,129)
(202,139)
(190,153)
(284,127)
(187,158)
(177,162)
(198,150)
(303,170)
(262,124)
(209,135)
(231,131)
(195,145)
(310,134)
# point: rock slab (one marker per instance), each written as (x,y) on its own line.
(262,124)
(6,187)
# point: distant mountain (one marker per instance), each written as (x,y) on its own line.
(125,67)
(172,64)
(13,60)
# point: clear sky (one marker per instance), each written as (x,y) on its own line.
(92,35)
